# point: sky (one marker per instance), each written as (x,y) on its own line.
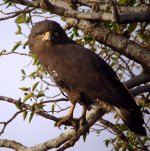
(40,129)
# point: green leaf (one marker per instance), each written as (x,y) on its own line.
(19,30)
(6,1)
(132,27)
(145,139)
(107,142)
(23,72)
(21,19)
(75,32)
(16,46)
(22,78)
(31,116)
(24,89)
(28,96)
(40,94)
(18,107)
(32,74)
(40,106)
(34,86)
(55,124)
(130,146)
(88,39)
(25,115)
(53,108)
(25,44)
(123,2)
(35,62)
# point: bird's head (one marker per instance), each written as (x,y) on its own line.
(46,33)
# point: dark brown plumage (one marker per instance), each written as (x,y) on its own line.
(82,74)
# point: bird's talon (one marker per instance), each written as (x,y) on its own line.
(63,120)
(82,121)
(95,7)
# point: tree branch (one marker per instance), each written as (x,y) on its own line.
(103,16)
(123,9)
(5,53)
(95,114)
(71,136)
(46,5)
(140,89)
(17,13)
(11,144)
(31,108)
(112,126)
(134,17)
(137,80)
(117,42)
(10,120)
(36,110)
(124,46)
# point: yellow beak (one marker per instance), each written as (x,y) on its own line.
(47,36)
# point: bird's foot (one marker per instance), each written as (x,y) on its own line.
(95,7)
(67,120)
(82,120)
(64,120)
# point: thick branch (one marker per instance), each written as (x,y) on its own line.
(11,144)
(123,9)
(117,42)
(140,89)
(134,17)
(95,114)
(137,80)
(104,16)
(124,46)
(71,136)
(66,12)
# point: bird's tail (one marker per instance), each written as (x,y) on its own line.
(133,119)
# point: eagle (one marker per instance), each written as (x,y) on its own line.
(83,75)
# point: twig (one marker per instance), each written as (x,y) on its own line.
(54,101)
(4,53)
(112,126)
(10,120)
(14,14)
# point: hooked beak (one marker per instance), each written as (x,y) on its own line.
(47,36)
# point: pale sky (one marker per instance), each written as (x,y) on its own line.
(40,129)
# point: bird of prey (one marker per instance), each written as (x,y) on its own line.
(82,74)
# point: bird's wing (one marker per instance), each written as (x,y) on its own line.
(80,68)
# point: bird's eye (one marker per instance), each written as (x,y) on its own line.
(41,34)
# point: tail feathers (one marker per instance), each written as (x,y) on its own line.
(133,119)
